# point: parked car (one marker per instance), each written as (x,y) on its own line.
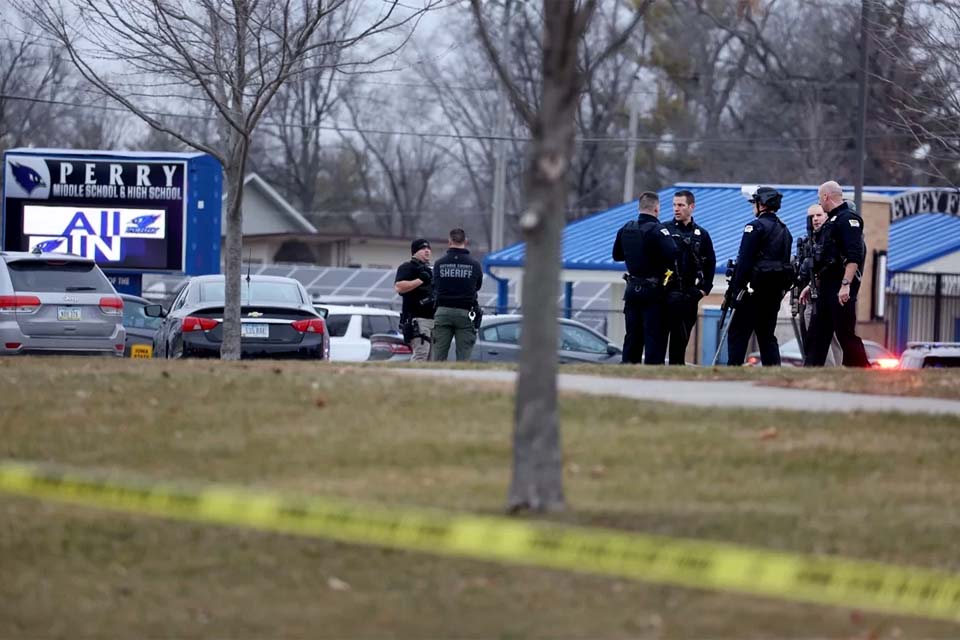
(277,320)
(140,327)
(57,303)
(930,355)
(388,346)
(499,341)
(351,329)
(879,357)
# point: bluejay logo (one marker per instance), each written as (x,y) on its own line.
(48,246)
(26,177)
(141,225)
(30,177)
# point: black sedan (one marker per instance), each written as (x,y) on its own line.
(140,327)
(277,320)
(499,341)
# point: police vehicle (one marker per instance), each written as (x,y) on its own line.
(930,355)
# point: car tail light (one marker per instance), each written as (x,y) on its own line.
(12,345)
(19,304)
(111,305)
(118,347)
(313,325)
(399,348)
(888,363)
(753,361)
(192,323)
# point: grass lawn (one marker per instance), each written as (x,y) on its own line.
(934,383)
(878,486)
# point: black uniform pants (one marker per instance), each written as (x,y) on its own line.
(681,319)
(645,332)
(755,314)
(834,318)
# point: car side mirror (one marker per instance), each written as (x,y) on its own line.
(323,311)
(154,311)
(612,350)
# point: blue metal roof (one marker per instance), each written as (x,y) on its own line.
(922,238)
(723,212)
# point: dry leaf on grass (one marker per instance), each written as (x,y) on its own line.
(769,434)
(337,584)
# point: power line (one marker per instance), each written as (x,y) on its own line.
(745,143)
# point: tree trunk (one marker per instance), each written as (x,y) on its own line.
(235,170)
(537,482)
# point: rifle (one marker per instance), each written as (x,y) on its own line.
(796,309)
(725,307)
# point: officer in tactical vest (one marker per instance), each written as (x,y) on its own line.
(651,257)
(457,278)
(838,271)
(762,276)
(414,283)
(696,264)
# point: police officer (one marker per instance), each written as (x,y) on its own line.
(814,247)
(838,271)
(696,263)
(457,278)
(414,283)
(649,251)
(762,276)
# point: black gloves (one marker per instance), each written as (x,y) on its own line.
(425,275)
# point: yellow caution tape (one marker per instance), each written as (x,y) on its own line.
(691,563)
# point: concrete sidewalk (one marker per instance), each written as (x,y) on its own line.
(710,393)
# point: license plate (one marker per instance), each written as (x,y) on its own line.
(68,313)
(254,330)
(141,351)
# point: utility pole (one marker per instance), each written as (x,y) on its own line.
(500,153)
(631,153)
(862,107)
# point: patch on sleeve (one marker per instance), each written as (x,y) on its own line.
(664,232)
(696,232)
(854,223)
(748,228)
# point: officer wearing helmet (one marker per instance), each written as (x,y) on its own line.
(762,276)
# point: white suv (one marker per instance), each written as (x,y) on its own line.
(350,329)
(926,355)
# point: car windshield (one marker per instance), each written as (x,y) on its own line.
(254,292)
(57,276)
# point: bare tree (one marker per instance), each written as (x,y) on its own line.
(916,69)
(399,171)
(34,80)
(296,137)
(537,482)
(235,54)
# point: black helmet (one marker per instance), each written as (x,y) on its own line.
(768,197)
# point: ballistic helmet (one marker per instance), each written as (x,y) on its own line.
(768,197)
